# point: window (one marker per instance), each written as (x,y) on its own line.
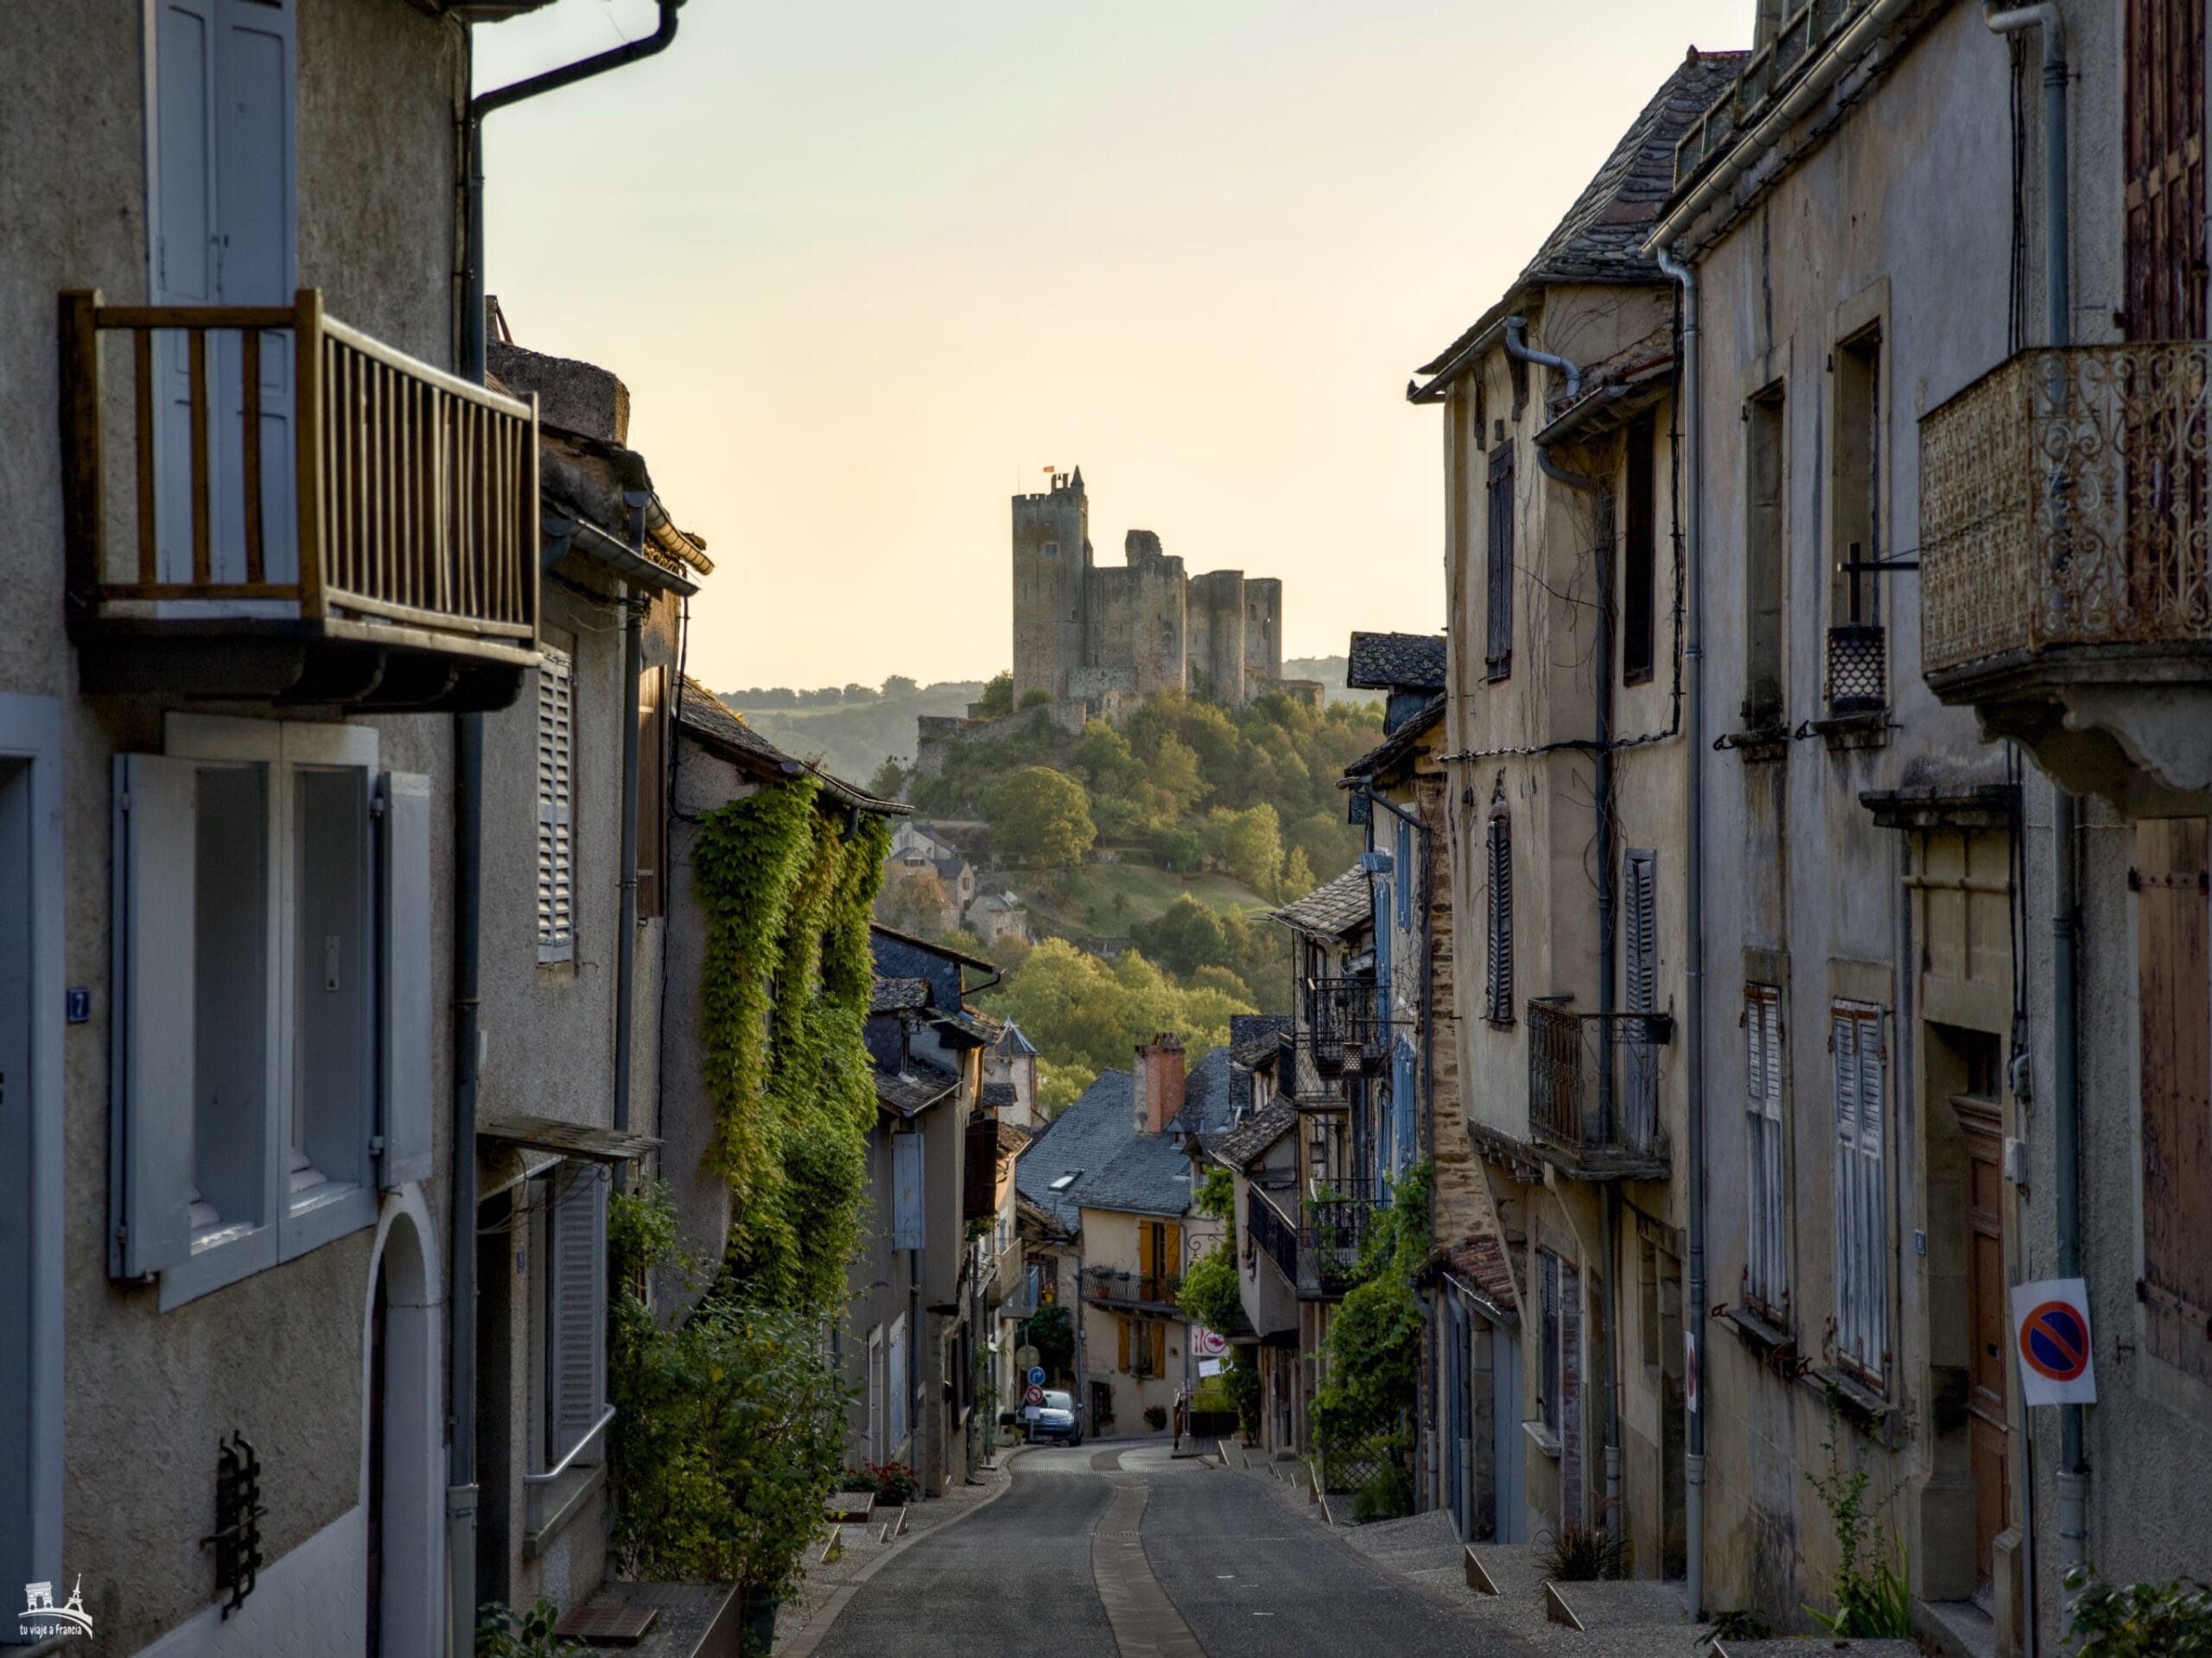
(1861,1220)
(1639,572)
(653,793)
(272,996)
(1497,989)
(1766,1276)
(1640,915)
(556,850)
(1498,581)
(1856,651)
(1051,549)
(906,1191)
(1764,524)
(1549,1368)
(1143,1348)
(2163,176)
(575,1307)
(2175,1001)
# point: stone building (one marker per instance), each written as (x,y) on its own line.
(1095,638)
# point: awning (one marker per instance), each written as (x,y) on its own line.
(569,1139)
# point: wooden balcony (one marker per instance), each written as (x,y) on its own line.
(1593,1092)
(2065,581)
(262,503)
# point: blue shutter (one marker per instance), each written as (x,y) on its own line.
(1405,875)
(404,964)
(1404,1092)
(155,879)
(907,1192)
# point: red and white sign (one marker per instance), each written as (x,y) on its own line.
(2050,1337)
(1206,1344)
(1034,1396)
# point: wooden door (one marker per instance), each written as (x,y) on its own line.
(2163,170)
(1987,1367)
(2173,929)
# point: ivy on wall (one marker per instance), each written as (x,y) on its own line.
(784,999)
(1372,1375)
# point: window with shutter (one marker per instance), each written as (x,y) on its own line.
(1405,876)
(896,1367)
(1498,577)
(575,1290)
(1123,1358)
(1640,912)
(1497,991)
(906,1189)
(2174,996)
(1861,1218)
(1766,1280)
(557,935)
(2163,170)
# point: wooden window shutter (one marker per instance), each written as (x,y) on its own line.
(980,1169)
(1765,1277)
(2174,993)
(1148,1248)
(1498,576)
(2162,172)
(1861,1209)
(557,873)
(1171,1261)
(409,1087)
(576,1306)
(156,864)
(1498,989)
(1123,1324)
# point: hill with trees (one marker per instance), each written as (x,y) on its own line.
(851,730)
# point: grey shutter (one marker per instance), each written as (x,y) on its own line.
(1862,1283)
(155,876)
(576,1358)
(1498,577)
(1640,868)
(404,970)
(1501,920)
(1762,1066)
(907,1192)
(556,937)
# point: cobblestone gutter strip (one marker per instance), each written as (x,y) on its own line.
(1145,1621)
(808,1614)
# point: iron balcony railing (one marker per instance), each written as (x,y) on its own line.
(1341,1026)
(1333,1225)
(2066,500)
(1136,1289)
(1594,1093)
(268,464)
(1270,1234)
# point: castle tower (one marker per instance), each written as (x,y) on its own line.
(1158,622)
(1218,635)
(1262,632)
(1052,560)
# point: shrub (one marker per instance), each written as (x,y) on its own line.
(1387,1495)
(1583,1554)
(502,1632)
(1872,1604)
(895,1483)
(1155,1418)
(2140,1620)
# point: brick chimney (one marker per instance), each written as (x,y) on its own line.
(1156,1088)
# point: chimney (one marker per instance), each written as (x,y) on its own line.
(1156,1088)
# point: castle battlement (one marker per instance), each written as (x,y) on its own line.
(1094,638)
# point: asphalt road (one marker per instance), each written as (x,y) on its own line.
(1218,1565)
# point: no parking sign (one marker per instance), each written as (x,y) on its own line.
(2050,1337)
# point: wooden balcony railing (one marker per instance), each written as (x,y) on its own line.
(272,465)
(2063,502)
(1593,1092)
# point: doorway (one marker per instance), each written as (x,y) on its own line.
(1987,1404)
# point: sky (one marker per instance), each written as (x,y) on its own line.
(870,267)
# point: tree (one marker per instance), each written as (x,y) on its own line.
(1187,936)
(890,778)
(1173,769)
(1297,874)
(900,685)
(1060,1086)
(997,698)
(1035,697)
(1040,817)
(1251,845)
(1105,758)
(914,900)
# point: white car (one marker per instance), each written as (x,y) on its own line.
(1058,1418)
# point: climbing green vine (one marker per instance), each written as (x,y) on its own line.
(783,995)
(1373,1376)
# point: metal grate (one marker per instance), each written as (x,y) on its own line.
(1858,668)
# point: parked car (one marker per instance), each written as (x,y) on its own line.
(1059,1418)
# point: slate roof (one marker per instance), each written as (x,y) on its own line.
(1013,1139)
(896,995)
(914,1088)
(1150,1175)
(1245,1144)
(1253,1037)
(1600,239)
(1083,1140)
(1386,662)
(1118,1168)
(899,955)
(709,719)
(1012,1040)
(1332,908)
(1399,743)
(1210,1097)
(998,1095)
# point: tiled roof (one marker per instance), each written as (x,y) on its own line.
(1013,1139)
(998,1093)
(1601,237)
(1404,661)
(1332,908)
(895,995)
(1481,1260)
(1209,1096)
(1399,743)
(1082,1140)
(1253,1037)
(1246,1143)
(914,1088)
(706,717)
(1150,1175)
(1013,1041)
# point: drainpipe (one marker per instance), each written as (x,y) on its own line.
(2072,1476)
(1690,410)
(468,859)
(626,937)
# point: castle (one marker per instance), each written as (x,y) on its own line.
(1098,639)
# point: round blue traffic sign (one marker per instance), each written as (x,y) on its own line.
(1036,1375)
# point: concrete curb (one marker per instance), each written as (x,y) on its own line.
(810,1637)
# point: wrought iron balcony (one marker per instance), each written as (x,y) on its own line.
(2065,581)
(1111,1284)
(1341,1026)
(1271,1236)
(1593,1092)
(1333,1227)
(281,508)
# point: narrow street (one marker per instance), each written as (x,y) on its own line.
(1120,1550)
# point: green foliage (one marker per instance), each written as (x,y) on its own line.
(894,1482)
(2139,1620)
(1084,1011)
(1373,1373)
(787,900)
(1052,1333)
(1387,1493)
(1060,1086)
(1249,844)
(1210,1294)
(1189,937)
(1040,817)
(728,1429)
(889,777)
(1216,1198)
(1583,1554)
(1735,1626)
(914,900)
(1243,1377)
(1871,1603)
(1036,698)
(502,1632)
(998,696)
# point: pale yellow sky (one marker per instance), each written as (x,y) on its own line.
(868,266)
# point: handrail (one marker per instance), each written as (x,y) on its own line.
(534,1485)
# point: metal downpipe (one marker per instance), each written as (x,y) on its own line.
(1689,411)
(625,938)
